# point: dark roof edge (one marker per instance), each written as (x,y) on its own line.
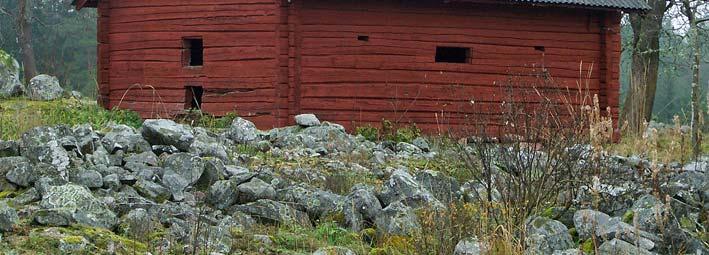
(79,4)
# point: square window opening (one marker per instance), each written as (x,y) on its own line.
(364,38)
(193,51)
(193,97)
(540,48)
(452,55)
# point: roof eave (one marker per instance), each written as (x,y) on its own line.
(80,4)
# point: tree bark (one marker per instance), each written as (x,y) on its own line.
(25,39)
(696,121)
(640,98)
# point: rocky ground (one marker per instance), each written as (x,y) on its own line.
(169,188)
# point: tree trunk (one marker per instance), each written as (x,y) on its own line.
(696,108)
(640,98)
(24,27)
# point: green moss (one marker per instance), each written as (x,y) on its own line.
(73,239)
(368,132)
(6,59)
(628,216)
(104,239)
(7,194)
(588,247)
(549,213)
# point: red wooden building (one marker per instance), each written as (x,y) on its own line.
(350,61)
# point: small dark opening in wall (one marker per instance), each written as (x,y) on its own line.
(452,55)
(193,51)
(364,38)
(193,97)
(540,48)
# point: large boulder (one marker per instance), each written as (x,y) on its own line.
(620,247)
(255,189)
(42,144)
(242,131)
(222,194)
(124,138)
(360,207)
(402,187)
(10,84)
(307,120)
(272,212)
(397,219)
(444,188)
(17,170)
(66,204)
(44,87)
(544,236)
(188,166)
(207,145)
(316,203)
(8,217)
(167,132)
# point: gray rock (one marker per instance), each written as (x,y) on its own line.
(9,149)
(422,144)
(255,189)
(444,188)
(124,138)
(317,203)
(334,250)
(620,247)
(407,150)
(112,182)
(41,144)
(272,212)
(89,178)
(188,166)
(587,222)
(18,170)
(648,213)
(44,87)
(468,246)
(590,223)
(175,183)
(402,187)
(8,217)
(30,195)
(544,236)
(473,191)
(151,190)
(242,131)
(78,204)
(569,252)
(86,139)
(360,206)
(167,132)
(206,145)
(10,84)
(700,166)
(147,158)
(222,194)
(214,170)
(307,120)
(397,219)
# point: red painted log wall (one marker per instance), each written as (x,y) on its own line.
(269,60)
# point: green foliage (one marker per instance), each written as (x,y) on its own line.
(19,115)
(368,132)
(205,120)
(628,217)
(588,247)
(397,133)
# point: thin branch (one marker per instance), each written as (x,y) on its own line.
(6,12)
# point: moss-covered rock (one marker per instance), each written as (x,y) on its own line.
(10,84)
